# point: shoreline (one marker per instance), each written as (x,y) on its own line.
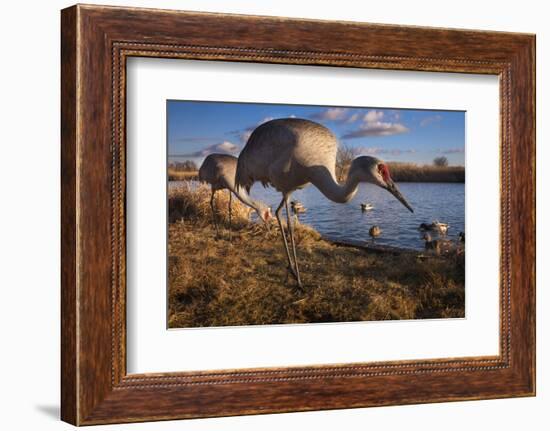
(370,247)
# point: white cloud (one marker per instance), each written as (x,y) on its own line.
(372,151)
(224,147)
(353,118)
(227,146)
(373,116)
(331,114)
(373,126)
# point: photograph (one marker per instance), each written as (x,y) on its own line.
(295,214)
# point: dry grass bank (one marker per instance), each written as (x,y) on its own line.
(242,281)
(174,175)
(189,202)
(410,172)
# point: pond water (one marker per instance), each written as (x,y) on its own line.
(430,201)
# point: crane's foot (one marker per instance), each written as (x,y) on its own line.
(291,271)
(300,301)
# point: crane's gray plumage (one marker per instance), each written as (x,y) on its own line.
(219,171)
(279,153)
(290,153)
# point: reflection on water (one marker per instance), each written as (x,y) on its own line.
(430,201)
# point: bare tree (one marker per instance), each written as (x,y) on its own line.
(441,161)
(344,156)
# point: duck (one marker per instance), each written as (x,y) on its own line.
(432,244)
(436,226)
(366,207)
(442,228)
(375,231)
(297,207)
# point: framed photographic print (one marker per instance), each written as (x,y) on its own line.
(258,216)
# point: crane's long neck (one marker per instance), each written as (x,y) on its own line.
(244,197)
(326,182)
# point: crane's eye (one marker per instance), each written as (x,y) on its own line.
(384,172)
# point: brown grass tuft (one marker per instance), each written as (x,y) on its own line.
(192,202)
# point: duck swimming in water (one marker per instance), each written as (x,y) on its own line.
(435,226)
(375,231)
(297,207)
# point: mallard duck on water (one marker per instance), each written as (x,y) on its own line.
(442,228)
(366,207)
(375,231)
(435,226)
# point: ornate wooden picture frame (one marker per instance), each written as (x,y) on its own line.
(96,41)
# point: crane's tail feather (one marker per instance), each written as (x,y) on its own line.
(243,178)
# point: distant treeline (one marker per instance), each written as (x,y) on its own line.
(439,172)
(186,166)
(180,171)
(174,175)
(400,172)
(410,172)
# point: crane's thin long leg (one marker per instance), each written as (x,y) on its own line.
(214,213)
(230,197)
(278,215)
(292,242)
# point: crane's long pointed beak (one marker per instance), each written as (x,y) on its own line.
(392,188)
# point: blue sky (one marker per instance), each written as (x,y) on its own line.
(196,129)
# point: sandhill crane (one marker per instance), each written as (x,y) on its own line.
(375,232)
(290,153)
(218,170)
